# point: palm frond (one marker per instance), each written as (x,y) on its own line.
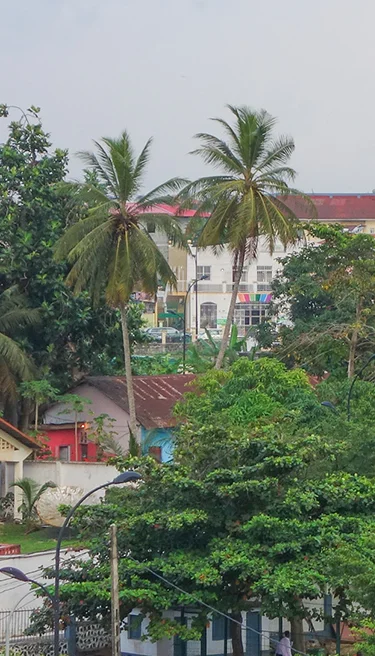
(164,193)
(140,166)
(16,360)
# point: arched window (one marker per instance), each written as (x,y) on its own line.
(208,315)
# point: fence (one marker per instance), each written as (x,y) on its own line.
(18,622)
(89,637)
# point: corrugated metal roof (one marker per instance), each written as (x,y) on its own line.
(155,396)
(335,207)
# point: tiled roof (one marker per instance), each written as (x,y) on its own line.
(18,435)
(155,396)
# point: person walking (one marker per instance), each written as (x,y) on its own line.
(284,647)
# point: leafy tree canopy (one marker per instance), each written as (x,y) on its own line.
(325,292)
(253,510)
(36,206)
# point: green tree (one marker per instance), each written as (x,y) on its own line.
(31,493)
(15,365)
(258,509)
(112,249)
(240,524)
(36,206)
(325,292)
(246,199)
(39,391)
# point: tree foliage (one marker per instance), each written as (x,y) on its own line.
(325,291)
(36,206)
(253,511)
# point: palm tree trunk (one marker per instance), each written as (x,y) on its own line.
(354,339)
(236,635)
(36,420)
(232,305)
(128,369)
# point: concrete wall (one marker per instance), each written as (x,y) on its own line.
(100,404)
(85,475)
(12,591)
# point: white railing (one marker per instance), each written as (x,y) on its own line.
(206,286)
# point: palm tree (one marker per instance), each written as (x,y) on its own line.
(15,366)
(245,200)
(31,493)
(111,249)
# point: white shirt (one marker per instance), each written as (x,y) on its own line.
(283,647)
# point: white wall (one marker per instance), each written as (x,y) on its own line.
(100,404)
(85,475)
(218,288)
(165,647)
(12,591)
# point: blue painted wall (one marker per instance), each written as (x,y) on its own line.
(162,437)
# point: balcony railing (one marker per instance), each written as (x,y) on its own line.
(219,288)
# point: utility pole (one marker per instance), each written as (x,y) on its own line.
(115,604)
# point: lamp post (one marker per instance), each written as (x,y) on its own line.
(196,287)
(193,282)
(15,573)
(125,477)
(353,382)
(328,404)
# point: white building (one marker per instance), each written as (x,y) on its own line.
(208,302)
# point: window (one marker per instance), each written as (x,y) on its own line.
(204,271)
(150,227)
(64,453)
(249,314)
(372,231)
(218,627)
(134,627)
(264,278)
(243,276)
(84,452)
(208,318)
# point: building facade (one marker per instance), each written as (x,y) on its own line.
(208,302)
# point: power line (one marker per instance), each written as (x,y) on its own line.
(211,608)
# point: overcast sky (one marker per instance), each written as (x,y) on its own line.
(161,68)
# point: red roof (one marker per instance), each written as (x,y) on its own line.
(163,208)
(155,396)
(335,207)
(18,435)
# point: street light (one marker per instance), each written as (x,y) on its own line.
(15,573)
(328,404)
(196,288)
(125,477)
(354,380)
(193,282)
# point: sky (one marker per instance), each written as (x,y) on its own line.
(162,68)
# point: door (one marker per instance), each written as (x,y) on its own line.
(253,633)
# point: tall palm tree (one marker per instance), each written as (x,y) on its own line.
(111,249)
(245,199)
(15,366)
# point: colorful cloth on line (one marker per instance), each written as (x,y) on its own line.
(254,298)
